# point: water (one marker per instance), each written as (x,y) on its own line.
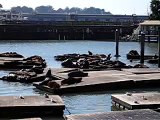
(75,103)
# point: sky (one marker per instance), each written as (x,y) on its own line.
(128,7)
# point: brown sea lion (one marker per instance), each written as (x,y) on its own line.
(77,74)
(53,84)
(71,80)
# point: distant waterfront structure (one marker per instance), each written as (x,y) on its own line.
(7,15)
(149,27)
(66,26)
(86,17)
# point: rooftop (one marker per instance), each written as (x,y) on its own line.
(151,23)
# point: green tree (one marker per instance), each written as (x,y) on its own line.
(44,9)
(155,10)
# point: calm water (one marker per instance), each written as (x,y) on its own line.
(76,103)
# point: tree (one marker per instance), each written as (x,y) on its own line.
(50,9)
(27,9)
(155,10)
(23,9)
(1,6)
(44,9)
(16,9)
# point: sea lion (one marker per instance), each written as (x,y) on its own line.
(77,74)
(71,80)
(49,73)
(53,84)
(90,53)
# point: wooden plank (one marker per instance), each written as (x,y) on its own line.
(35,118)
(38,118)
(138,100)
(28,119)
(142,70)
(151,76)
(31,105)
(10,59)
(118,115)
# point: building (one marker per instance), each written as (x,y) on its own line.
(149,27)
(7,15)
(87,17)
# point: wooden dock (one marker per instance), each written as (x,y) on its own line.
(108,80)
(133,101)
(118,115)
(19,63)
(40,118)
(142,70)
(7,60)
(38,77)
(30,106)
(10,59)
(96,81)
(146,57)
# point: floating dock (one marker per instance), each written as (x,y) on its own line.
(30,106)
(38,77)
(118,115)
(21,63)
(40,118)
(131,101)
(108,80)
(146,57)
(96,81)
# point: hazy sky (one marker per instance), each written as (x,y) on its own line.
(139,7)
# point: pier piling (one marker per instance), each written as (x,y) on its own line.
(117,43)
(158,47)
(142,39)
(59,37)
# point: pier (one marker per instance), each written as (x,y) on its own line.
(62,31)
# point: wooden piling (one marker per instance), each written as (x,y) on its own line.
(149,39)
(117,43)
(59,37)
(142,39)
(158,47)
